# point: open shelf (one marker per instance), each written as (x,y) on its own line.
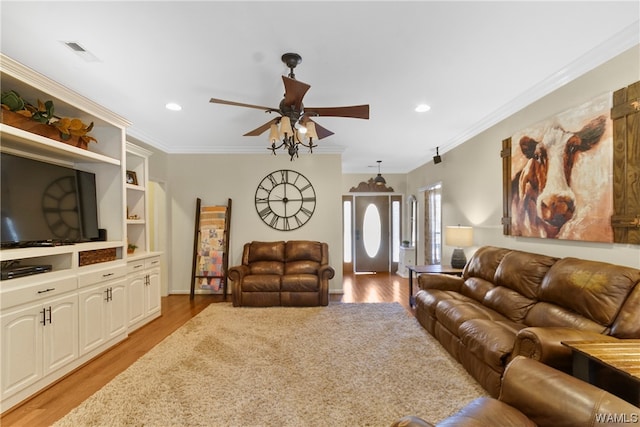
(45,148)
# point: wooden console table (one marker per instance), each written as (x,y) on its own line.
(610,365)
(428,269)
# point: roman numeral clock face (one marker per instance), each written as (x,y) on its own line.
(285,200)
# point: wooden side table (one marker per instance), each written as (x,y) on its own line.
(613,366)
(428,269)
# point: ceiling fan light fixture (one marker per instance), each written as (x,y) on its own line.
(293,128)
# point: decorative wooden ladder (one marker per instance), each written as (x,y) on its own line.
(211,248)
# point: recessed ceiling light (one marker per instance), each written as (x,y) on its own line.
(173,106)
(421,108)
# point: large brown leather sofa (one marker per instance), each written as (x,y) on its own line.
(510,303)
(533,394)
(293,273)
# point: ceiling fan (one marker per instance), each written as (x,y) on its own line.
(294,125)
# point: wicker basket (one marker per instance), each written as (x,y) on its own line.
(97,256)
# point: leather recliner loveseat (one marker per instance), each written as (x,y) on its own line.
(293,273)
(533,394)
(510,303)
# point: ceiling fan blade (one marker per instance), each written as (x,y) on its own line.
(240,104)
(294,91)
(260,130)
(355,111)
(322,132)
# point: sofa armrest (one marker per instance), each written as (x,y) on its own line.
(444,282)
(545,344)
(326,272)
(551,397)
(237,273)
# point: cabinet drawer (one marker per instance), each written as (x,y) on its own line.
(152,262)
(37,291)
(135,266)
(102,275)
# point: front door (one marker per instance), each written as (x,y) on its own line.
(371,234)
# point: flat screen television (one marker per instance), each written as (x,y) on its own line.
(45,204)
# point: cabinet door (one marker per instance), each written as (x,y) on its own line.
(136,293)
(60,334)
(92,314)
(153,291)
(117,318)
(21,353)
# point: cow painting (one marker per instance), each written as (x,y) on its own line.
(561,185)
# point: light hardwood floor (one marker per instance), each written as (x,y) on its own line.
(56,401)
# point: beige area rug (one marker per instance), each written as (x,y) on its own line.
(341,365)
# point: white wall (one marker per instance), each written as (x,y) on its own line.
(216,178)
(471,173)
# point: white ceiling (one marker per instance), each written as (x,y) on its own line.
(474,62)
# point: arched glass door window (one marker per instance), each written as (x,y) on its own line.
(371,230)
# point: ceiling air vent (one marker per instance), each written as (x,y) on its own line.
(81,51)
(75,46)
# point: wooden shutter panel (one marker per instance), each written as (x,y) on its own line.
(505,153)
(626,164)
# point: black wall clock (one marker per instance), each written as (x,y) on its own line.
(285,200)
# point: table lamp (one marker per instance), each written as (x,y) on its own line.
(459,237)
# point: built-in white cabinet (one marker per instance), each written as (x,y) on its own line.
(103,307)
(37,340)
(143,285)
(143,265)
(53,322)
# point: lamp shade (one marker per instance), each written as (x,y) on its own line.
(311,130)
(458,236)
(285,127)
(274,135)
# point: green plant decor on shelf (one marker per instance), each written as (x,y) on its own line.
(44,113)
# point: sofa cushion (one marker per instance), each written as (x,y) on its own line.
(452,313)
(546,315)
(484,263)
(266,267)
(594,289)
(627,324)
(301,267)
(300,283)
(490,340)
(523,272)
(261,283)
(297,250)
(429,298)
(508,302)
(476,288)
(266,251)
